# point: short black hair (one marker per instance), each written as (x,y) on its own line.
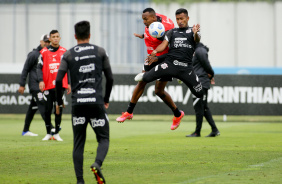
(150,10)
(181,10)
(53,32)
(82,30)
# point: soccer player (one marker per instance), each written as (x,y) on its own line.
(86,63)
(178,62)
(205,73)
(48,64)
(29,70)
(149,16)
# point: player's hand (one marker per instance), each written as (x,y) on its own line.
(212,81)
(21,89)
(58,109)
(154,53)
(106,105)
(41,86)
(196,28)
(151,59)
(139,36)
(69,89)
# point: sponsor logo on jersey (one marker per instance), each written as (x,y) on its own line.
(86,91)
(78,120)
(97,122)
(81,48)
(82,100)
(53,67)
(164,66)
(175,62)
(90,80)
(87,68)
(188,31)
(84,57)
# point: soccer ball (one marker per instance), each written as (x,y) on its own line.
(156,29)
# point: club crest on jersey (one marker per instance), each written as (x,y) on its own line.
(188,31)
(164,66)
(46,92)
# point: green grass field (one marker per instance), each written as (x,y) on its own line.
(146,151)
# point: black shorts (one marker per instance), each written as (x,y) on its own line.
(184,73)
(95,115)
(147,68)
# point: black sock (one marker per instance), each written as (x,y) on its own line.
(130,107)
(176,112)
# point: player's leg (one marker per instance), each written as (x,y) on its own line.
(189,77)
(137,93)
(160,92)
(100,125)
(58,118)
(198,105)
(48,105)
(79,124)
(164,69)
(209,118)
(32,108)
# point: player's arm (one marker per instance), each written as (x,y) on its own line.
(40,73)
(152,59)
(25,71)
(141,36)
(108,75)
(59,84)
(164,44)
(202,55)
(197,34)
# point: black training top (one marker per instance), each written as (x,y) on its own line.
(181,45)
(85,63)
(30,68)
(202,65)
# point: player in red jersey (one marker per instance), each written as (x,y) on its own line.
(48,65)
(149,16)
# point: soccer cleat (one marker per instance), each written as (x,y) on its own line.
(53,130)
(47,137)
(124,116)
(139,77)
(57,137)
(176,121)
(213,134)
(193,135)
(95,168)
(28,133)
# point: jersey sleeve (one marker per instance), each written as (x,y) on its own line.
(168,35)
(107,72)
(39,68)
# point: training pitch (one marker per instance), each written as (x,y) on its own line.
(145,151)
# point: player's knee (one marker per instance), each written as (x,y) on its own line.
(160,93)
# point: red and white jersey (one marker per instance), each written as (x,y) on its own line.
(151,42)
(51,64)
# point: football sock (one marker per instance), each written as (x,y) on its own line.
(176,112)
(130,107)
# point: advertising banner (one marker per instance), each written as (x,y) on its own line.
(231,95)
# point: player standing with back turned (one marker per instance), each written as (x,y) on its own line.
(86,63)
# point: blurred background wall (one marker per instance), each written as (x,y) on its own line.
(244,35)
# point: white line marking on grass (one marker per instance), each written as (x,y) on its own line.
(260,165)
